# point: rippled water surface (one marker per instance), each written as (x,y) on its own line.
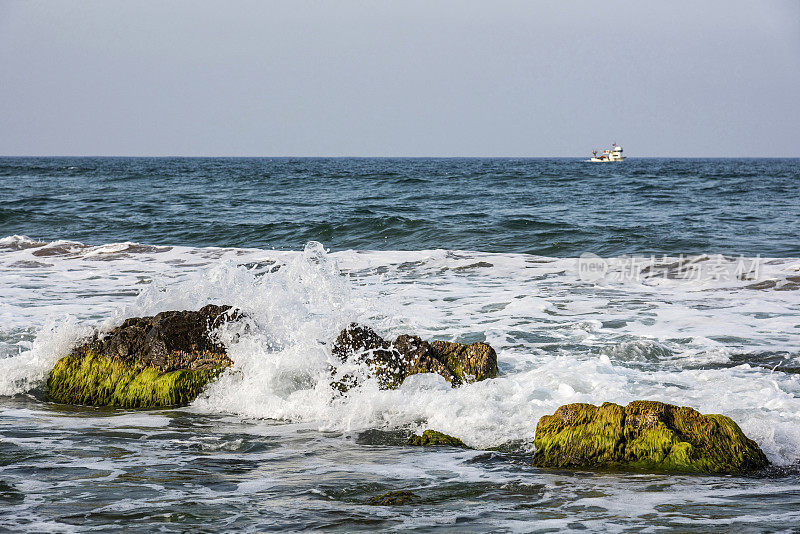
(706,315)
(556,207)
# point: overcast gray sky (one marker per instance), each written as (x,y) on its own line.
(405,78)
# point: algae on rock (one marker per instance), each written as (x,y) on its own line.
(394,498)
(432,438)
(147,362)
(104,381)
(644,435)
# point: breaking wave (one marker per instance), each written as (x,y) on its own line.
(560,338)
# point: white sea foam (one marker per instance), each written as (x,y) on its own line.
(29,368)
(711,344)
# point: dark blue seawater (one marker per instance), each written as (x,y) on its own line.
(552,207)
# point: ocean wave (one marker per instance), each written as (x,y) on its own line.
(657,334)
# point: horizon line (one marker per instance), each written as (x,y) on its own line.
(120,156)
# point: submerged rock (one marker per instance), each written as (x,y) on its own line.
(644,435)
(377,436)
(408,355)
(394,498)
(146,362)
(432,438)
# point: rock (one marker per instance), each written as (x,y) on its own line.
(169,341)
(644,435)
(146,362)
(515,447)
(420,357)
(469,363)
(375,436)
(392,362)
(394,498)
(356,339)
(362,343)
(432,438)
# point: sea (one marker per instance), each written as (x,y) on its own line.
(676,280)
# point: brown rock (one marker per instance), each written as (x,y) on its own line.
(392,362)
(366,346)
(168,341)
(420,357)
(468,362)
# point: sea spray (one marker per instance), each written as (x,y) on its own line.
(28,369)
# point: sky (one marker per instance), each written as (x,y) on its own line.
(677,78)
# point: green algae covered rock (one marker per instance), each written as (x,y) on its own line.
(392,362)
(104,381)
(432,438)
(644,435)
(468,363)
(147,362)
(394,498)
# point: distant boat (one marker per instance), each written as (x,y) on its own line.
(615,154)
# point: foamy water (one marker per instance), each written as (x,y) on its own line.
(714,343)
(560,339)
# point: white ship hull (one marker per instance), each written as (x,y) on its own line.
(598,160)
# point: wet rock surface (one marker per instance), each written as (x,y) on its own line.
(392,362)
(168,341)
(394,498)
(644,435)
(391,438)
(146,362)
(432,438)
